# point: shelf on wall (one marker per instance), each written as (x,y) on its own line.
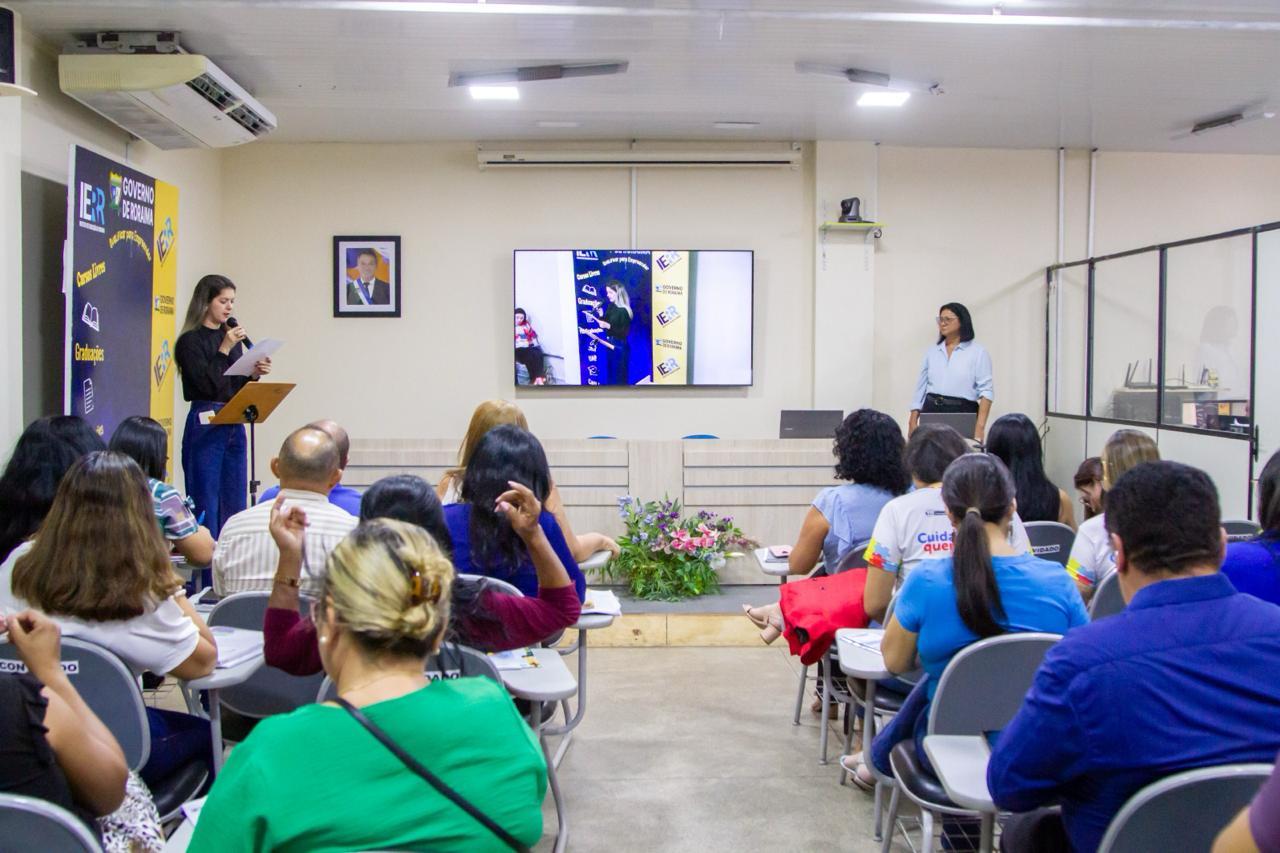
(849,226)
(9,89)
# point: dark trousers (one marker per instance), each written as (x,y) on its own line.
(619,361)
(935,403)
(176,738)
(1040,831)
(214,462)
(533,360)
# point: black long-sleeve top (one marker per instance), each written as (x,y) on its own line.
(202,365)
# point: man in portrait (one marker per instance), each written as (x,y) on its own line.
(366,288)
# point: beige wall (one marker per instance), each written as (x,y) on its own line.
(420,376)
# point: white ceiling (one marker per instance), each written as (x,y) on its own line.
(1124,74)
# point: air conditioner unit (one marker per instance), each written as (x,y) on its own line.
(626,158)
(172,100)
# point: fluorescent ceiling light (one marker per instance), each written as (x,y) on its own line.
(735,125)
(883,99)
(530,73)
(557,124)
(1223,121)
(495,93)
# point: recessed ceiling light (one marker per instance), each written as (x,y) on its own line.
(557,124)
(495,93)
(883,99)
(735,125)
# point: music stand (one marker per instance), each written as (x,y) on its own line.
(252,405)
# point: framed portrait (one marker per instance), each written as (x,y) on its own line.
(366,276)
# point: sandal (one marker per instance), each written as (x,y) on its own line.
(858,772)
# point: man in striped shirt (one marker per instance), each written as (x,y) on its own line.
(245,557)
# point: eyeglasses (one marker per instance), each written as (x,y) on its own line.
(942,321)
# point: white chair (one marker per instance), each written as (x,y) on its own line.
(28,823)
(1184,811)
(980,690)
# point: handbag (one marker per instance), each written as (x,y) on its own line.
(434,780)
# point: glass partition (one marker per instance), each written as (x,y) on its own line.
(1126,296)
(1208,307)
(1068,336)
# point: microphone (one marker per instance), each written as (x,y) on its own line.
(232,323)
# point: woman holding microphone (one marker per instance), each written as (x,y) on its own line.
(616,323)
(213,455)
(955,375)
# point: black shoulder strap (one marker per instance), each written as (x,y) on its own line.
(435,781)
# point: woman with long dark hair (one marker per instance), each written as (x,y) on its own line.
(1015,441)
(214,459)
(955,375)
(1253,566)
(484,542)
(42,454)
(480,615)
(146,442)
(984,588)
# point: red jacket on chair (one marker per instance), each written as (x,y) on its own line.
(813,609)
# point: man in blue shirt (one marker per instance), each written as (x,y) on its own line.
(340,495)
(1184,677)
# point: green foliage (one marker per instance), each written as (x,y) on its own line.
(666,557)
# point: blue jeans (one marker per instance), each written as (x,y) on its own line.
(215,465)
(176,738)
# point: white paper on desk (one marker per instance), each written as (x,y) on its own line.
(236,645)
(514,659)
(244,364)
(869,640)
(192,808)
(602,601)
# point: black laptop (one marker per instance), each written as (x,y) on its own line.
(809,423)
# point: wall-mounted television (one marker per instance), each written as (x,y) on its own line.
(599,317)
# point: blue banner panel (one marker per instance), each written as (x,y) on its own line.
(604,282)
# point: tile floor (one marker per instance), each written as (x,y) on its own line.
(693,749)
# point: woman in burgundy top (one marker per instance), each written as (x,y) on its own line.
(482,617)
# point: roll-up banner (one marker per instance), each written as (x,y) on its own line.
(120,284)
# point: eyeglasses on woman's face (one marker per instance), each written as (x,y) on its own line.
(947,319)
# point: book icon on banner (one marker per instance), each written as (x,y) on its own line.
(88,396)
(161,366)
(90,316)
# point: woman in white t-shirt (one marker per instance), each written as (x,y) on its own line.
(916,527)
(1092,559)
(100,567)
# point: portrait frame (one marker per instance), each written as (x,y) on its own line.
(382,296)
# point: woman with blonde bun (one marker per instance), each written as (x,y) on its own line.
(318,779)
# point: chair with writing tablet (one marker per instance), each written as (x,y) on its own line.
(1050,540)
(41,825)
(1238,530)
(1184,811)
(1107,598)
(112,692)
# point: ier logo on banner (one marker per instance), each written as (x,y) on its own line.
(91,213)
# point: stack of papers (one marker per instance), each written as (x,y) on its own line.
(236,645)
(602,601)
(869,640)
(513,659)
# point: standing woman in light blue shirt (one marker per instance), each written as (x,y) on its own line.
(955,375)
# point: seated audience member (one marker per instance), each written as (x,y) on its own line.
(1092,558)
(340,495)
(915,527)
(1257,827)
(481,617)
(1015,441)
(984,588)
(100,568)
(55,748)
(245,559)
(1184,677)
(1253,566)
(484,542)
(42,454)
(314,779)
(868,449)
(144,441)
(1088,483)
(488,415)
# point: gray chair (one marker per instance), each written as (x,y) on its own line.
(1107,598)
(1185,811)
(1239,530)
(1050,540)
(851,559)
(269,690)
(980,690)
(112,692)
(495,583)
(451,661)
(32,824)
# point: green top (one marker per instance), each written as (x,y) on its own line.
(315,780)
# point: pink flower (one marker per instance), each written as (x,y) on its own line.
(706,541)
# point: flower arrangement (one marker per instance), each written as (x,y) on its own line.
(665,556)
